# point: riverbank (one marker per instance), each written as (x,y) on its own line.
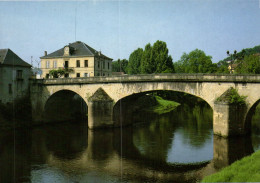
(244,170)
(162,106)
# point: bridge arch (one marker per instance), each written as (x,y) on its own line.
(249,115)
(196,89)
(122,114)
(64,105)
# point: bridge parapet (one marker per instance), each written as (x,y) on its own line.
(155,77)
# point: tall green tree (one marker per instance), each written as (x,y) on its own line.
(195,62)
(155,59)
(147,64)
(162,60)
(134,64)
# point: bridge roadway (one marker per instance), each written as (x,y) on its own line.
(101,94)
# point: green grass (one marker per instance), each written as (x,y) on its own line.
(244,170)
(163,106)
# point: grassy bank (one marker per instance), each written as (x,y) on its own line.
(244,170)
(163,106)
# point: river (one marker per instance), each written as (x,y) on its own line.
(175,147)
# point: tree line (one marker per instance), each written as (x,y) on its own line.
(156,59)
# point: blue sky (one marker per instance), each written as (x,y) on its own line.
(117,28)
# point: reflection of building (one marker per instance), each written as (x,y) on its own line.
(14,76)
(79,58)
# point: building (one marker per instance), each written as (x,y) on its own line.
(77,60)
(232,67)
(14,76)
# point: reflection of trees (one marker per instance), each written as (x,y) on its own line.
(154,139)
(195,123)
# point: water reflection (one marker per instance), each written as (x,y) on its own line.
(175,147)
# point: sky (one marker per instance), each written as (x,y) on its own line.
(117,28)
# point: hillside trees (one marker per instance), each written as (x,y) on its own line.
(250,65)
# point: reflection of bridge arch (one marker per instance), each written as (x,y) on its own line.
(136,166)
(131,163)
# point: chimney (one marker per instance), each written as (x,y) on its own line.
(45,53)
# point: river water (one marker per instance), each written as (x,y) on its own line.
(175,147)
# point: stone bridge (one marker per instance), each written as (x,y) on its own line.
(101,94)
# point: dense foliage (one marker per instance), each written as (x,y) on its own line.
(134,66)
(195,62)
(120,66)
(156,59)
(249,65)
(152,59)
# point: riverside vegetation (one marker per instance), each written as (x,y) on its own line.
(244,170)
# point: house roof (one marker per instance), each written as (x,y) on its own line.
(8,57)
(77,49)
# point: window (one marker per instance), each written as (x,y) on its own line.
(66,75)
(98,64)
(86,63)
(78,63)
(47,64)
(85,74)
(10,88)
(103,64)
(47,76)
(55,64)
(103,74)
(108,65)
(19,74)
(78,75)
(66,65)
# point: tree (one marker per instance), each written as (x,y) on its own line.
(120,66)
(134,64)
(195,62)
(155,59)
(162,60)
(250,65)
(147,65)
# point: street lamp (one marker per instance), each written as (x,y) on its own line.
(232,57)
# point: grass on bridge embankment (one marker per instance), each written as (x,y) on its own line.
(163,106)
(244,170)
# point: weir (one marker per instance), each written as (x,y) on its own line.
(102,93)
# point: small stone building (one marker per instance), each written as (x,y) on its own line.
(14,76)
(77,60)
